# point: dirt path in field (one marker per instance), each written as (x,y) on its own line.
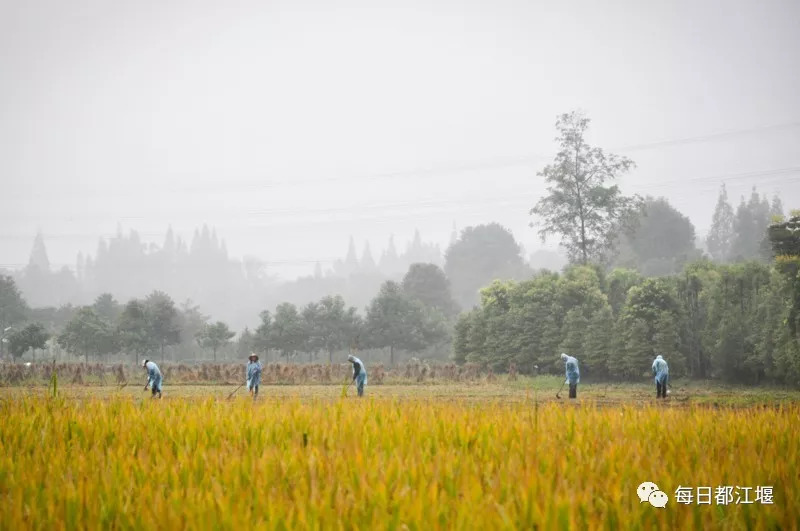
(589,395)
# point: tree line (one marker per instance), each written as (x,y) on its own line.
(638,284)
(729,322)
(413,315)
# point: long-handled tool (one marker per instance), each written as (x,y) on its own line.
(234,391)
(558,394)
(345,387)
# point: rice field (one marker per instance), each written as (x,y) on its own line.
(298,460)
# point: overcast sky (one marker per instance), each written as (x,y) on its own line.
(292,125)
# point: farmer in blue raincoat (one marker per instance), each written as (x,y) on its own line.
(573,374)
(661,373)
(153,377)
(253,374)
(359,374)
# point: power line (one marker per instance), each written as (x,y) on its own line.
(428,204)
(486,164)
(705,138)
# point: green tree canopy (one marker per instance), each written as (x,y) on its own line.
(13,309)
(215,336)
(162,319)
(428,284)
(32,337)
(287,331)
(662,242)
(480,255)
(337,326)
(579,207)
(107,307)
(396,321)
(88,334)
(134,330)
(720,237)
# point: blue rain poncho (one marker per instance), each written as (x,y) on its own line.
(573,373)
(661,370)
(359,373)
(253,374)
(153,376)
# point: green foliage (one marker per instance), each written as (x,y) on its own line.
(618,282)
(334,326)
(750,225)
(482,254)
(88,334)
(721,236)
(163,321)
(287,332)
(661,243)
(215,336)
(599,343)
(34,336)
(107,307)
(428,284)
(732,322)
(263,335)
(579,207)
(134,329)
(395,321)
(13,308)
(245,344)
(785,237)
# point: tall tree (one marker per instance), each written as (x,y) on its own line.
(88,334)
(263,336)
(214,337)
(191,322)
(13,308)
(134,330)
(246,343)
(428,284)
(720,236)
(162,320)
(579,207)
(649,307)
(107,307)
(395,321)
(32,337)
(661,243)
(312,330)
(38,256)
(337,326)
(287,333)
(776,209)
(749,227)
(482,254)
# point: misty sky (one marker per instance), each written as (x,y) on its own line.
(292,125)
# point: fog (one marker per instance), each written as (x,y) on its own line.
(290,127)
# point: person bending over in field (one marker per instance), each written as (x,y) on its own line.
(661,372)
(359,374)
(253,374)
(153,377)
(573,374)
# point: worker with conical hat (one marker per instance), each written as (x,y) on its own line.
(253,374)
